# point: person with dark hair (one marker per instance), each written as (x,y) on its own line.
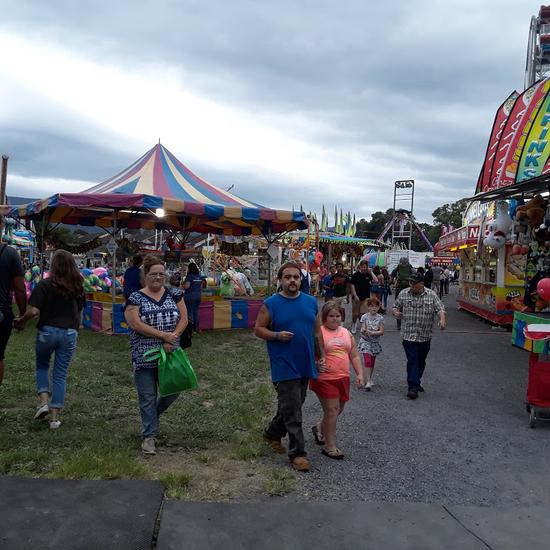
(288,322)
(11,278)
(193,284)
(340,284)
(359,285)
(57,302)
(133,276)
(157,317)
(386,289)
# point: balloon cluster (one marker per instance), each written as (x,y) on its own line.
(97,280)
(32,278)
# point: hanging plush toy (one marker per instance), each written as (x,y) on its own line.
(226,285)
(499,227)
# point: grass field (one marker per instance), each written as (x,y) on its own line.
(210,445)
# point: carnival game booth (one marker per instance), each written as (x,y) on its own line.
(492,271)
(159,192)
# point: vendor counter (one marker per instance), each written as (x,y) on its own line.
(215,312)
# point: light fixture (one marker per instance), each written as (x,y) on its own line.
(159,213)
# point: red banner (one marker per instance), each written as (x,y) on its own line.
(503,112)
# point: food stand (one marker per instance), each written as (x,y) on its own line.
(492,280)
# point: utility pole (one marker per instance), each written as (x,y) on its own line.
(3,177)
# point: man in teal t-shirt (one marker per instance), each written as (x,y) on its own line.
(288,321)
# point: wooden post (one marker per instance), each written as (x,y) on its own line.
(3,178)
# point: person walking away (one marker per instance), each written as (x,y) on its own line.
(328,284)
(288,321)
(447,279)
(428,277)
(387,289)
(417,307)
(400,276)
(11,278)
(360,283)
(436,283)
(305,279)
(340,282)
(372,328)
(157,317)
(377,288)
(333,383)
(133,277)
(193,285)
(57,302)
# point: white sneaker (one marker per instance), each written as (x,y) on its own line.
(148,446)
(353,328)
(41,411)
(368,385)
(54,424)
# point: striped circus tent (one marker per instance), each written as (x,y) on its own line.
(159,192)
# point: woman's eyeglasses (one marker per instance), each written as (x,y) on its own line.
(156,275)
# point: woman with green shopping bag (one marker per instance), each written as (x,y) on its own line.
(157,317)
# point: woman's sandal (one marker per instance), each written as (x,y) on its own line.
(337,454)
(318,437)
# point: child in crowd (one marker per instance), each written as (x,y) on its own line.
(372,327)
(332,385)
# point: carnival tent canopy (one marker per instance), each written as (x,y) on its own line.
(159,181)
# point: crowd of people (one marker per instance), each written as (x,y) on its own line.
(307,348)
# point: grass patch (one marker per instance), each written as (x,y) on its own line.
(94,463)
(176,484)
(279,482)
(213,434)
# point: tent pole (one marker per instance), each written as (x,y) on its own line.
(113,281)
(42,244)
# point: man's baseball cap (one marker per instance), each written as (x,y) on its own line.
(416,277)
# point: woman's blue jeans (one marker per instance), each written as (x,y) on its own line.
(62,343)
(193,312)
(151,404)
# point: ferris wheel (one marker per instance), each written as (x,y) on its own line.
(537,64)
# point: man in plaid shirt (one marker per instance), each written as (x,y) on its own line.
(417,307)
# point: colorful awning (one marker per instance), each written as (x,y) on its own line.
(160,181)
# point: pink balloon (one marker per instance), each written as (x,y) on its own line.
(99,270)
(543,289)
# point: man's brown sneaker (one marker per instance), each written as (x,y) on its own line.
(301,464)
(276,445)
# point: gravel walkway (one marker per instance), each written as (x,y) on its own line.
(466,440)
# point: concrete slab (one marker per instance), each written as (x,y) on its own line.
(294,526)
(56,513)
(507,528)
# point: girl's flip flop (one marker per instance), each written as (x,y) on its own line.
(318,437)
(337,454)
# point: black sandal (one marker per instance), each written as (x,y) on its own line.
(337,454)
(318,437)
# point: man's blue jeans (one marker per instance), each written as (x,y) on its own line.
(62,343)
(151,404)
(416,362)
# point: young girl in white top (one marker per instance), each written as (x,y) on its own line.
(372,328)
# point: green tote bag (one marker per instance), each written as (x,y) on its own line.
(175,371)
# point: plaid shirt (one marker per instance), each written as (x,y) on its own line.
(418,311)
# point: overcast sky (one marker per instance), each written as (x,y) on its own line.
(292,102)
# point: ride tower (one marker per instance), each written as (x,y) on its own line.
(537,64)
(402,223)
